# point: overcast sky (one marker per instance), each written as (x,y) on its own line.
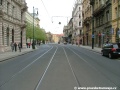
(48,12)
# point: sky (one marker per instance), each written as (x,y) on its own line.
(51,12)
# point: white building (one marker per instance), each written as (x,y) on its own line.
(29,18)
(77,19)
(12,23)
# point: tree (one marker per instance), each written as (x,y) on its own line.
(39,33)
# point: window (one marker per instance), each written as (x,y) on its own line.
(79,15)
(116,12)
(13,8)
(102,19)
(107,16)
(80,23)
(7,36)
(8,7)
(79,8)
(1,2)
(2,35)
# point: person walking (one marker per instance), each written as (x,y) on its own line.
(19,46)
(15,45)
(27,45)
(12,46)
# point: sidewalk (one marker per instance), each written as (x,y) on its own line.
(7,55)
(95,49)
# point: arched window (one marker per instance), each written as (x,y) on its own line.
(12,35)
(21,35)
(7,35)
(2,35)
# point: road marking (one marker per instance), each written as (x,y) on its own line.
(71,68)
(39,83)
(25,67)
(95,68)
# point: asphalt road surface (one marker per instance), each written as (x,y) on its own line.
(60,67)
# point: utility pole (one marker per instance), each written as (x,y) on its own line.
(33,43)
(93,27)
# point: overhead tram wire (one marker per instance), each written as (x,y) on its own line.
(45,8)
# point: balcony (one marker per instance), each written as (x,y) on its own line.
(87,20)
(99,9)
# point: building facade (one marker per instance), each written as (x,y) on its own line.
(49,37)
(87,23)
(12,23)
(102,25)
(29,19)
(65,33)
(57,38)
(77,20)
(115,20)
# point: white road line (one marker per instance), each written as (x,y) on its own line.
(71,67)
(83,59)
(40,81)
(93,67)
(25,67)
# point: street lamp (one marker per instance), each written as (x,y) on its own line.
(33,43)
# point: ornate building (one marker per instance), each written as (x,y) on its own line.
(102,25)
(87,23)
(12,23)
(115,20)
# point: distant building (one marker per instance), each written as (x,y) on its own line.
(49,37)
(57,38)
(12,23)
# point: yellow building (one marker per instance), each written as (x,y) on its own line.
(115,20)
(56,38)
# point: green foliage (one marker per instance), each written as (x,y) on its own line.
(29,31)
(39,33)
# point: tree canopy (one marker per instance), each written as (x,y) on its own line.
(39,33)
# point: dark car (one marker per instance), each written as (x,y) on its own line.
(111,50)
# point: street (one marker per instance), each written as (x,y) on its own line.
(59,67)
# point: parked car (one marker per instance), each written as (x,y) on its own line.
(65,42)
(111,50)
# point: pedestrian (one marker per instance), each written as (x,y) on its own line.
(15,45)
(19,46)
(27,45)
(12,46)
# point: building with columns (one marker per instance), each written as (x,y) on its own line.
(12,23)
